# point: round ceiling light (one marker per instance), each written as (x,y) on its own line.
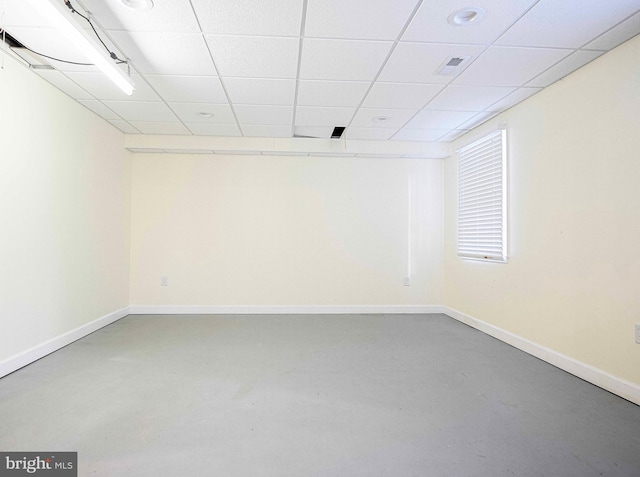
(466,16)
(204,114)
(138,5)
(381,119)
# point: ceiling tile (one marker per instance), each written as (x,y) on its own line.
(261,91)
(431,22)
(64,84)
(255,57)
(203,129)
(166,53)
(173,16)
(99,108)
(330,117)
(191,113)
(357,19)
(370,134)
(100,86)
(141,111)
(419,134)
(250,17)
(427,119)
(159,127)
(342,59)
(567,24)
(468,98)
(264,115)
(565,67)
(514,98)
(257,130)
(401,95)
(382,118)
(417,62)
(617,35)
(124,126)
(507,66)
(189,89)
(331,93)
(20,14)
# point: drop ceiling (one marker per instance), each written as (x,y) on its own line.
(285,68)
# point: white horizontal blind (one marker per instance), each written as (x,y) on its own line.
(481,199)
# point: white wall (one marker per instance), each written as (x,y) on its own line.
(572,283)
(64,210)
(265,230)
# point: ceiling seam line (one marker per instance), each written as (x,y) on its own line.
(385,61)
(303,26)
(213,61)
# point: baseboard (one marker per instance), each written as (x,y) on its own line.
(600,378)
(283,310)
(33,354)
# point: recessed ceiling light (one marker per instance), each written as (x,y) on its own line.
(381,119)
(205,115)
(466,16)
(138,5)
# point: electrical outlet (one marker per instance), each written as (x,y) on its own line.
(164,281)
(406,281)
(638,333)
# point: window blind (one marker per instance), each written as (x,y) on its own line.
(482,199)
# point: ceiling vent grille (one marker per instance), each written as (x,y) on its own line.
(452,65)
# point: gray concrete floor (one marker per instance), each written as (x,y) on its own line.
(365,395)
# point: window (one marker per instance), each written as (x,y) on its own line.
(482,211)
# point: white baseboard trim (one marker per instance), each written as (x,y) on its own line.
(39,351)
(602,379)
(282,310)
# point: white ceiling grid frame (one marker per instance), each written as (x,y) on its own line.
(403,81)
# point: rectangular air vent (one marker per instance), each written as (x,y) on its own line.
(452,65)
(337,132)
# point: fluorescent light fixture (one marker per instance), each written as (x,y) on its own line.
(60,17)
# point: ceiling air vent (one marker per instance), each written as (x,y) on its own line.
(452,65)
(337,132)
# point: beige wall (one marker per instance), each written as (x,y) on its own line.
(265,230)
(64,183)
(572,283)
